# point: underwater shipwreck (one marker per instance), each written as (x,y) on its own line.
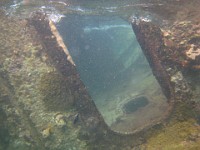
(101,76)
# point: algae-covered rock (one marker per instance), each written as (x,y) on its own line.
(56,93)
(182,135)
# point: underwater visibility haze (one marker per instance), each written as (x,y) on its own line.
(113,68)
(95,75)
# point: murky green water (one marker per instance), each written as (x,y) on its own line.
(106,53)
(111,65)
(113,68)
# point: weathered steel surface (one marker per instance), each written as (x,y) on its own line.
(151,41)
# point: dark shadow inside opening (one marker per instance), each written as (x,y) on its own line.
(134,104)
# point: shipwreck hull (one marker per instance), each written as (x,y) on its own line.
(89,115)
(41,92)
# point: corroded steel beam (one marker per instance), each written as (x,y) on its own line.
(151,41)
